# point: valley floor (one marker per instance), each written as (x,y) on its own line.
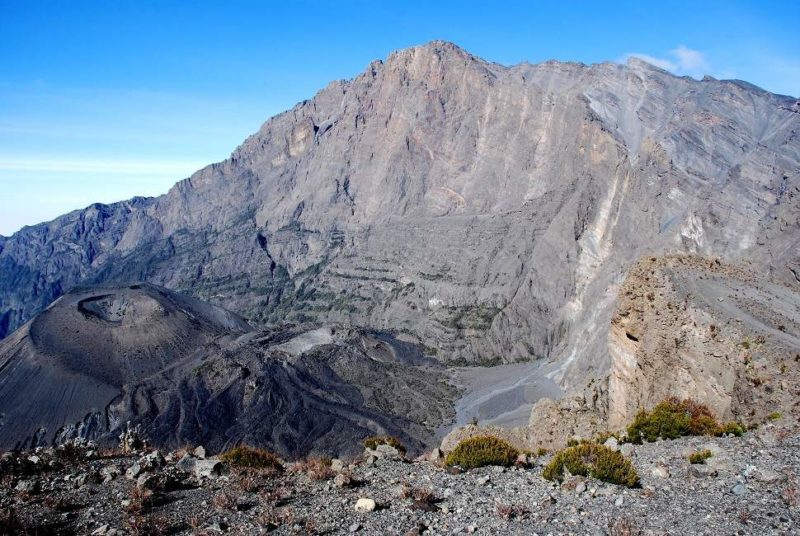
(751,485)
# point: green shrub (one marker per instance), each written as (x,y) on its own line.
(602,437)
(253,458)
(700,456)
(373,442)
(673,418)
(480,451)
(775,415)
(597,461)
(730,428)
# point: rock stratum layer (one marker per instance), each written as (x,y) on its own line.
(188,372)
(490,213)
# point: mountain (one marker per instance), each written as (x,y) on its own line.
(491,213)
(189,372)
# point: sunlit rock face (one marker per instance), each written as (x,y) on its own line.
(489,212)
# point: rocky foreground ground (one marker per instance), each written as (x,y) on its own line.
(751,485)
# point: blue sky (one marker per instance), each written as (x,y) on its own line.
(100,101)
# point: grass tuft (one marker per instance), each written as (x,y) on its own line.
(373,442)
(597,461)
(700,456)
(252,458)
(673,418)
(481,451)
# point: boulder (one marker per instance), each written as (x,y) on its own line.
(337,465)
(109,473)
(208,468)
(384,452)
(186,464)
(660,471)
(342,480)
(436,455)
(365,505)
(701,470)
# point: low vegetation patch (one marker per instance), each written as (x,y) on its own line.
(673,418)
(481,451)
(700,456)
(317,468)
(373,442)
(733,428)
(252,458)
(596,461)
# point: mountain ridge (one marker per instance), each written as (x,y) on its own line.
(490,211)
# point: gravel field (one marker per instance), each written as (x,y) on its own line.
(749,486)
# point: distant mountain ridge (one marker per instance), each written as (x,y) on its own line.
(491,212)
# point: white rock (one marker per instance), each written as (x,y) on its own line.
(612,443)
(436,455)
(207,468)
(337,465)
(661,471)
(365,505)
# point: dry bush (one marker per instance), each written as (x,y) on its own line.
(744,516)
(276,517)
(316,468)
(623,526)
(249,482)
(61,504)
(140,525)
(140,499)
(223,501)
(110,453)
(791,496)
(195,523)
(276,494)
(417,494)
(310,526)
(247,457)
(373,442)
(511,511)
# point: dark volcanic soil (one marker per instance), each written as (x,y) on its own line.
(191,372)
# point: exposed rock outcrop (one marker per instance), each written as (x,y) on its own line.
(490,211)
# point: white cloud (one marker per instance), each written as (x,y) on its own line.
(681,60)
(690,61)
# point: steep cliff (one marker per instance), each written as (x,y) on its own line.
(491,212)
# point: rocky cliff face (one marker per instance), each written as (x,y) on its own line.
(699,328)
(490,212)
